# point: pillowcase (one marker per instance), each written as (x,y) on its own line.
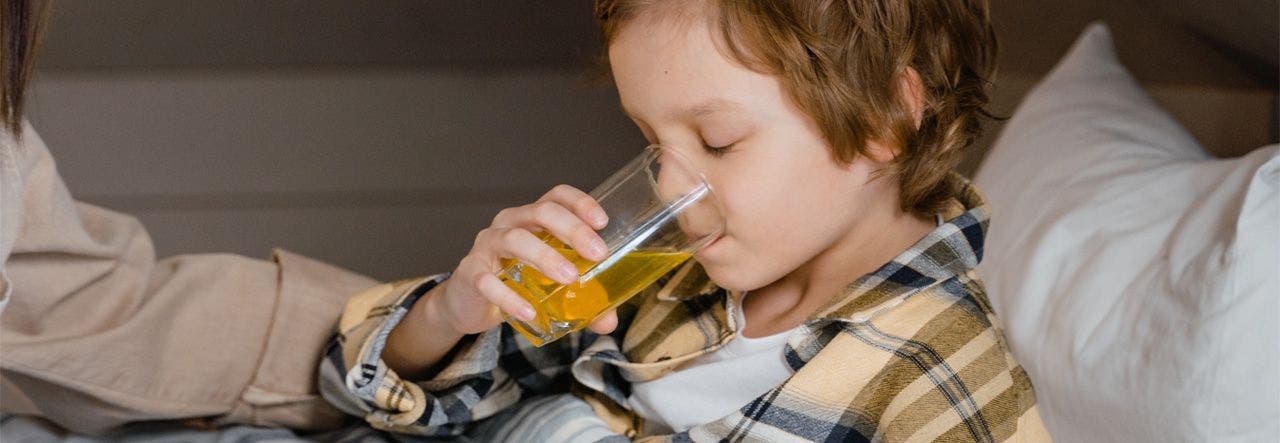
(1136,277)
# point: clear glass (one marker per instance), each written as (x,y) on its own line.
(661,212)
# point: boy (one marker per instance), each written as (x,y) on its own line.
(840,304)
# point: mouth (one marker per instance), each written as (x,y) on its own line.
(703,252)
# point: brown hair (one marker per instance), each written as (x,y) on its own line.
(20,25)
(842,61)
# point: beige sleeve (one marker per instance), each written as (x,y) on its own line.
(95,332)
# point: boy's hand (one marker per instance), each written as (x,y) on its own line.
(470,300)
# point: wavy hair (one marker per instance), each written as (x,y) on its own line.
(841,62)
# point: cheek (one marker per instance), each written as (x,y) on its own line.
(782,216)
(784,200)
(773,218)
(768,238)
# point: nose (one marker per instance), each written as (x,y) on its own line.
(676,174)
(673,176)
(678,178)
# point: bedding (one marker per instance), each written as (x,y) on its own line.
(1136,275)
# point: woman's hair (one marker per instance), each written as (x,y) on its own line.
(20,25)
(842,62)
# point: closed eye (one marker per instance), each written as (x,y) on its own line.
(717,151)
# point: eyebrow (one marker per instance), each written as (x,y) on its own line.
(699,110)
(706,108)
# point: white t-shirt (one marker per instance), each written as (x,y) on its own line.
(713,385)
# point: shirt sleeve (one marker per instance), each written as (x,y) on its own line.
(483,375)
(97,332)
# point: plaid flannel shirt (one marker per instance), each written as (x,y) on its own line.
(910,352)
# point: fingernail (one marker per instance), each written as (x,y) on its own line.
(568,273)
(527,313)
(598,249)
(599,218)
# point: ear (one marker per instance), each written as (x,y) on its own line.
(911,88)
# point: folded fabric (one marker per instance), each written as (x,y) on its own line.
(1137,276)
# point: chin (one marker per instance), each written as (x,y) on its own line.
(730,278)
(724,271)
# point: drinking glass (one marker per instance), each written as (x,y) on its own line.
(661,212)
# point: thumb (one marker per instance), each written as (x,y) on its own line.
(605,324)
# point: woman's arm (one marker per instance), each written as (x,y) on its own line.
(96,332)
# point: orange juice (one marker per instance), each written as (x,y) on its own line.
(565,308)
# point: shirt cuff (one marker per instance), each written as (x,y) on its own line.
(357,380)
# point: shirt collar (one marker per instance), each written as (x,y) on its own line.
(951,249)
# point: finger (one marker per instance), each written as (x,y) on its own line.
(605,323)
(522,245)
(488,251)
(506,218)
(580,203)
(555,218)
(558,221)
(497,293)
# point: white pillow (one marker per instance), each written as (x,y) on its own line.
(1136,277)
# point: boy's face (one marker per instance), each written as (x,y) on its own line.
(785,199)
